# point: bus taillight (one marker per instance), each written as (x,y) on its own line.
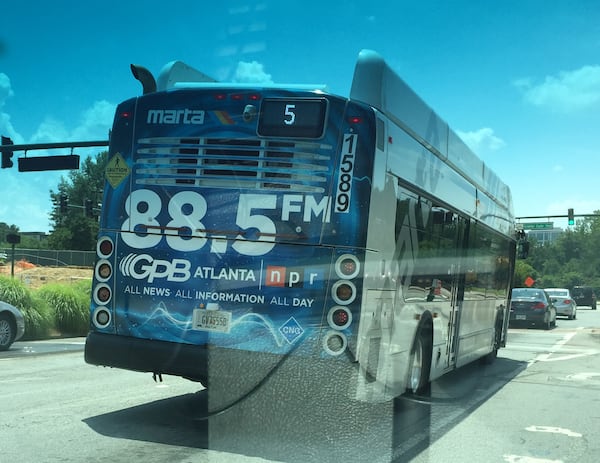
(343,292)
(102,294)
(101,317)
(103,270)
(339,317)
(105,247)
(347,266)
(335,343)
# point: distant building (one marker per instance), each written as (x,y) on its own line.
(545,236)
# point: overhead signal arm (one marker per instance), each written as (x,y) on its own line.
(43,163)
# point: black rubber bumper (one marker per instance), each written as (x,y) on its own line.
(167,358)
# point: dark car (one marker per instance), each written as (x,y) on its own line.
(532,306)
(584,295)
(12,325)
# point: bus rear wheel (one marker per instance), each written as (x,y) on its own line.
(419,366)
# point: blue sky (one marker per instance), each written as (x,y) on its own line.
(519,80)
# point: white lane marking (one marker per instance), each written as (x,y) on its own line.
(582,376)
(554,430)
(526,459)
(545,357)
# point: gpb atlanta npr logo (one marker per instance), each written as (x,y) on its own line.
(294,277)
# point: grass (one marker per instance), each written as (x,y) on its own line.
(62,308)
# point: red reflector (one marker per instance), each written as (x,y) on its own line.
(220,96)
(254,97)
(237,97)
(126,114)
(355,120)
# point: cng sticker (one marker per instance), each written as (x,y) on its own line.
(117,170)
(291,330)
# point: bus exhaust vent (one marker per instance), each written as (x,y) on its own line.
(301,166)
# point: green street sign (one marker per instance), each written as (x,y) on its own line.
(538,226)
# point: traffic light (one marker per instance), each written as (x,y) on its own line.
(7,154)
(89,210)
(63,203)
(571,216)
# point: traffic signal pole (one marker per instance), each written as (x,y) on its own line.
(43,163)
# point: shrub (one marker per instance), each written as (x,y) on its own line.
(70,305)
(38,317)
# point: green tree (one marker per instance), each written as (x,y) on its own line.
(573,259)
(5,230)
(73,229)
(523,270)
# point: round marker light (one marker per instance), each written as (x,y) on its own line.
(103,270)
(339,318)
(101,317)
(334,343)
(343,292)
(347,266)
(105,247)
(102,294)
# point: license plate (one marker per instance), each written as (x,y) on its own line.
(212,320)
(521,317)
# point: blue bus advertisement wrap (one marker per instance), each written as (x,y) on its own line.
(224,238)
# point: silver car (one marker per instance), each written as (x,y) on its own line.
(564,302)
(12,325)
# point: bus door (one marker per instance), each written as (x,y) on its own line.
(457,274)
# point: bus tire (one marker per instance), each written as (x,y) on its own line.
(420,361)
(489,358)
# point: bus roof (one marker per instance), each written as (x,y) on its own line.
(377,85)
(177,74)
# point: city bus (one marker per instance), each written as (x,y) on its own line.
(246,226)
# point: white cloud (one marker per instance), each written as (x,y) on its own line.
(95,122)
(26,200)
(6,127)
(50,131)
(481,140)
(254,47)
(5,88)
(568,91)
(94,125)
(251,73)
